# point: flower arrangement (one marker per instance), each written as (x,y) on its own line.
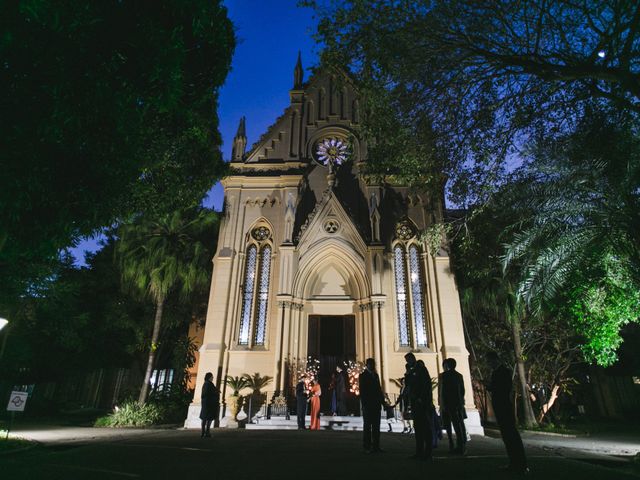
(307,371)
(354,369)
(280,401)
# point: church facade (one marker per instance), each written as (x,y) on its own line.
(315,259)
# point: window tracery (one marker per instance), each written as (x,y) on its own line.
(255,291)
(409,283)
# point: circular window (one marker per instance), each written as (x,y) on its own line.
(404,231)
(331,226)
(260,233)
(331,151)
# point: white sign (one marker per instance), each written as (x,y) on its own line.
(17,401)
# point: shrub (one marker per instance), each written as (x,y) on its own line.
(131,414)
(172,405)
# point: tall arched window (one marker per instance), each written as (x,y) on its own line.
(255,291)
(417,296)
(412,320)
(404,331)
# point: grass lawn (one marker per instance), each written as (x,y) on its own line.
(6,445)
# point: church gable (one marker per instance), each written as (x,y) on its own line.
(326,100)
(329,222)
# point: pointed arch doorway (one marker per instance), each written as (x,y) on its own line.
(332,340)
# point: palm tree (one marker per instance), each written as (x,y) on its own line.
(584,202)
(164,255)
(236,384)
(257,382)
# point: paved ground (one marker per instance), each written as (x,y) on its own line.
(79,453)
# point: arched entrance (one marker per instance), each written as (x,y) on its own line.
(332,287)
(332,341)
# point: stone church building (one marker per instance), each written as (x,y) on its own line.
(315,259)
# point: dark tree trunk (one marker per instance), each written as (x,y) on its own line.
(528,417)
(144,391)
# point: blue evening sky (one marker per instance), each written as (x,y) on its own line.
(270,33)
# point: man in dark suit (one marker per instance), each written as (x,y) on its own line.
(500,388)
(372,399)
(341,392)
(451,393)
(301,404)
(418,390)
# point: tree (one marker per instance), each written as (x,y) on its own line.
(74,322)
(236,384)
(257,382)
(485,76)
(164,255)
(577,250)
(108,108)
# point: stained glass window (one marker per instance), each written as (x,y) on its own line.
(417,296)
(263,295)
(247,298)
(401,296)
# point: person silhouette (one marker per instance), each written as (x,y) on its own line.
(301,404)
(451,400)
(210,405)
(419,390)
(372,400)
(341,392)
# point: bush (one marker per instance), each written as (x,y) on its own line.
(130,414)
(172,405)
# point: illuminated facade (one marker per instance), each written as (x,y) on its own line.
(314,259)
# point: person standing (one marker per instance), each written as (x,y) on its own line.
(301,404)
(451,400)
(405,408)
(210,404)
(341,392)
(372,400)
(418,390)
(503,408)
(314,394)
(332,394)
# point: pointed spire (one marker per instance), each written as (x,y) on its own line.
(242,131)
(298,74)
(239,142)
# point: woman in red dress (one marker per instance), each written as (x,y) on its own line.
(314,394)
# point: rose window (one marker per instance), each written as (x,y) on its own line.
(260,233)
(332,151)
(404,231)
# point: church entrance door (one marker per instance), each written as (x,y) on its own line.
(332,340)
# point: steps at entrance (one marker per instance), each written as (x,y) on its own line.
(346,423)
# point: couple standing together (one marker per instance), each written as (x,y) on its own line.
(418,395)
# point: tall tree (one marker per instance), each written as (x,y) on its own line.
(73,322)
(578,249)
(167,254)
(108,108)
(485,75)
(495,317)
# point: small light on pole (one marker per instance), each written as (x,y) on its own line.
(3,323)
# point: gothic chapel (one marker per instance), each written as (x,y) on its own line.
(316,260)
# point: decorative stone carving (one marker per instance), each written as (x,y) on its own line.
(405,231)
(260,233)
(331,226)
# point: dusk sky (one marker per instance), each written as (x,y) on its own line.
(270,33)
